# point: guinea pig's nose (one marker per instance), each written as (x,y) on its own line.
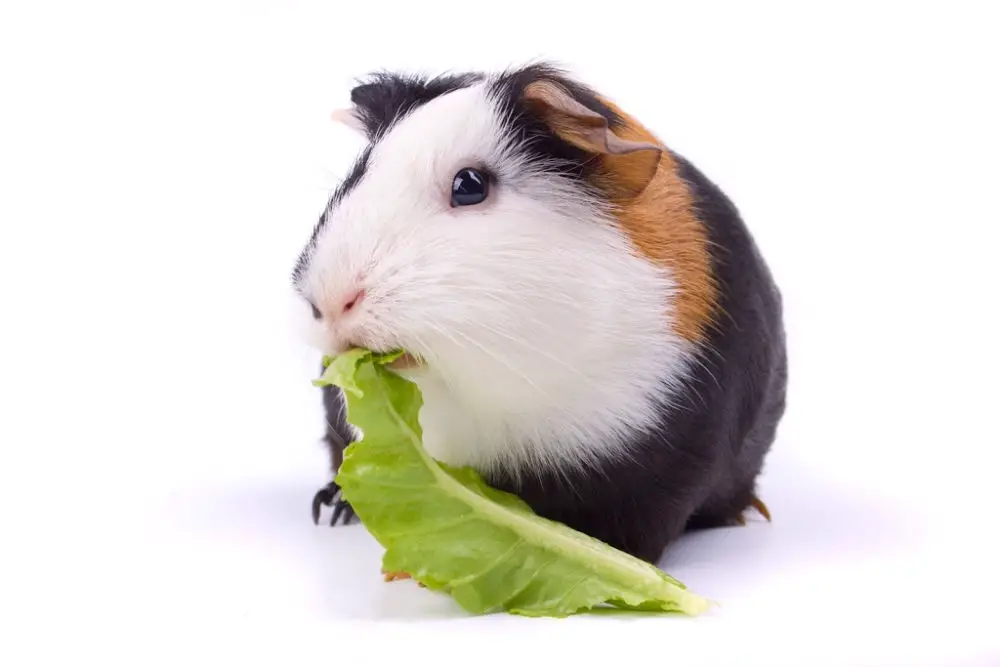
(352,300)
(337,308)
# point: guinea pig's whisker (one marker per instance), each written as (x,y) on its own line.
(532,348)
(432,359)
(493,355)
(506,293)
(425,351)
(501,298)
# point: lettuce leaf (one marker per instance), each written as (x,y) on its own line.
(450,531)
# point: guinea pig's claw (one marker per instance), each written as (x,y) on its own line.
(329,496)
(759,505)
(342,507)
(323,497)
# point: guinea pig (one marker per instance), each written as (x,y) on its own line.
(587,316)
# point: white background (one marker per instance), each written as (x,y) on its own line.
(161,165)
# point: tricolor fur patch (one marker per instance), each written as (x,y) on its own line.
(558,318)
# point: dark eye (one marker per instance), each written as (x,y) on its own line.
(318,315)
(470,186)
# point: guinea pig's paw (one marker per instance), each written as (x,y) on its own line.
(329,496)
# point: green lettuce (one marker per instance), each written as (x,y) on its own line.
(450,531)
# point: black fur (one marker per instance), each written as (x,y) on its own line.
(535,137)
(380,101)
(386,97)
(337,436)
(699,466)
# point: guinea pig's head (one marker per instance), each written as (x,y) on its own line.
(505,231)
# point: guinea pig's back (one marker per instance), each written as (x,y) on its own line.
(741,378)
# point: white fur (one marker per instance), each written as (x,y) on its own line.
(547,338)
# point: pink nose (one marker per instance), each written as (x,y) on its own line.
(337,310)
(352,300)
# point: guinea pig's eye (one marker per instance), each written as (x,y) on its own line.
(315,311)
(470,186)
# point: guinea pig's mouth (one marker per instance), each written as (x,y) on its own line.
(405,361)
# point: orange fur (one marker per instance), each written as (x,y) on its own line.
(663,224)
(651,201)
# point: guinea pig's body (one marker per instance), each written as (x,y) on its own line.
(594,327)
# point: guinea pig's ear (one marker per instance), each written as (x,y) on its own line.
(628,166)
(350,118)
